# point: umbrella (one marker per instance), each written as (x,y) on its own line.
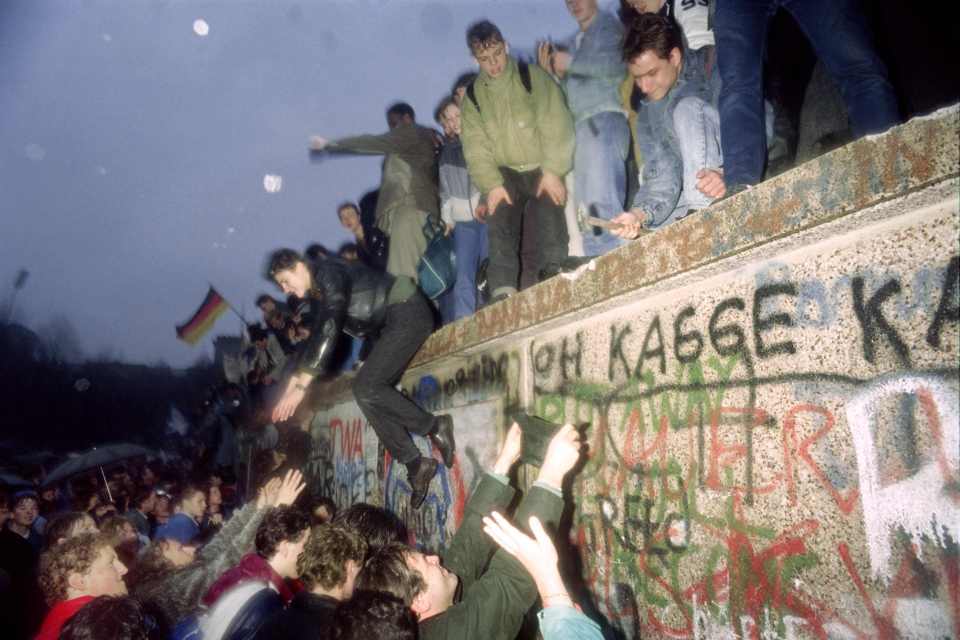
(95,457)
(37,457)
(13,480)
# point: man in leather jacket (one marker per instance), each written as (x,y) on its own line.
(353,298)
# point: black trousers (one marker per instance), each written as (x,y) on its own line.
(505,229)
(391,414)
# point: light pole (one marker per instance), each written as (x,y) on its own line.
(19,282)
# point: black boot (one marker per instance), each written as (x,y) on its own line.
(442,439)
(419,474)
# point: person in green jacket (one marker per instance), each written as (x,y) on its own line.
(518,140)
(408,187)
(468,595)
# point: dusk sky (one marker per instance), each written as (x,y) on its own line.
(134,149)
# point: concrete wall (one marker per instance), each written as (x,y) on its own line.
(772,389)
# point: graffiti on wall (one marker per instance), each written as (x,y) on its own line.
(344,446)
(432,526)
(755,451)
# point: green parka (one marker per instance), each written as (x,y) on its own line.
(515,128)
(497,592)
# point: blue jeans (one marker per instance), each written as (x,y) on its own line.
(600,175)
(470,246)
(697,126)
(839,35)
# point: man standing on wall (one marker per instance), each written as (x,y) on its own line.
(408,188)
(518,141)
(590,67)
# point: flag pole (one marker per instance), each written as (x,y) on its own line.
(232,308)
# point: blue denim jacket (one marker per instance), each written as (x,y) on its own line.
(662,175)
(566,623)
(596,69)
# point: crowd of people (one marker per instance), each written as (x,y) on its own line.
(140,552)
(650,116)
(635,122)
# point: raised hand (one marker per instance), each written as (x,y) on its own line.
(533,554)
(268,493)
(563,453)
(293,395)
(538,555)
(291,487)
(510,452)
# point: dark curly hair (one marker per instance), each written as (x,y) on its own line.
(375,614)
(324,558)
(75,555)
(651,32)
(280,524)
(110,618)
(151,564)
(376,525)
(64,525)
(387,570)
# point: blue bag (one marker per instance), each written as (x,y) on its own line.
(437,269)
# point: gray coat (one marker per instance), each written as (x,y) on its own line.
(176,594)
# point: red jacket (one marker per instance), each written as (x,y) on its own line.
(58,616)
(251,567)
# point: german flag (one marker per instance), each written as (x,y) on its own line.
(193,329)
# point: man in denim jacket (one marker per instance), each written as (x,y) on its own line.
(590,66)
(678,128)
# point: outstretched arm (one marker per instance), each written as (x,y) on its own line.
(313,355)
(497,602)
(538,555)
(470,551)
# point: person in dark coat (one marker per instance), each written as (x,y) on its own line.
(476,591)
(353,298)
(279,542)
(328,568)
(20,544)
(372,243)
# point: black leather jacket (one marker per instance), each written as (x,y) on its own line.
(346,296)
(373,251)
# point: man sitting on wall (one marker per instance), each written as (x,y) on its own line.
(474,596)
(353,298)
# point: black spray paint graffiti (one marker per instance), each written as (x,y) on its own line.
(727,334)
(475,382)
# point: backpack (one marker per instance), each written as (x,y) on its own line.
(524,70)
